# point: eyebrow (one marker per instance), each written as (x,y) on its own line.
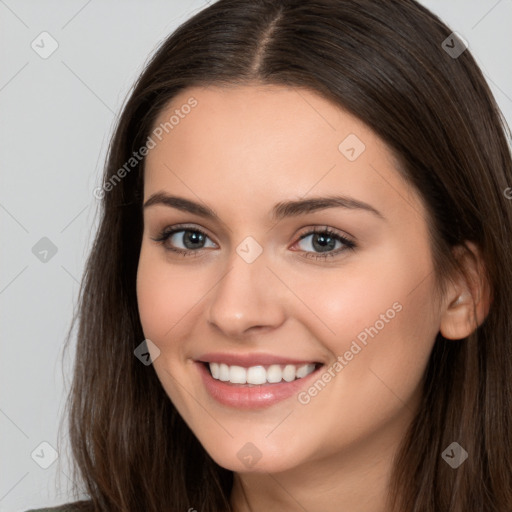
(279,211)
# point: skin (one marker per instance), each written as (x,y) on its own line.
(240,151)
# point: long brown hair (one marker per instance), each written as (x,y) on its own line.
(384,62)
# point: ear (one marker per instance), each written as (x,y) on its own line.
(468,298)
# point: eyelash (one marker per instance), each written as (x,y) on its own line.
(166,233)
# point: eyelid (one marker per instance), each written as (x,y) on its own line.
(171,229)
(347,241)
(322,228)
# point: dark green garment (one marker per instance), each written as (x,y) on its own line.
(52,509)
(75,506)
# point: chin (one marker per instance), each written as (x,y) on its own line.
(248,457)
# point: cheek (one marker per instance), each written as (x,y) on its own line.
(166,293)
(377,314)
(344,301)
(382,316)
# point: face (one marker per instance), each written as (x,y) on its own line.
(333,299)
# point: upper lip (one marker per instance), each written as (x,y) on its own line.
(247,360)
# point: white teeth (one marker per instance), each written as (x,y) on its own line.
(223,372)
(214,368)
(256,375)
(259,374)
(289,373)
(237,375)
(304,370)
(274,374)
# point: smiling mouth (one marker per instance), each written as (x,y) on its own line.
(260,374)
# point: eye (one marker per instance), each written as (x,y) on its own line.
(324,240)
(192,240)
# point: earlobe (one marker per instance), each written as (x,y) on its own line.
(468,302)
(458,320)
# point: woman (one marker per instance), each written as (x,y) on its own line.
(299,296)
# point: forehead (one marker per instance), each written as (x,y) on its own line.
(260,143)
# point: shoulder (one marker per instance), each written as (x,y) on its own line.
(76,506)
(52,509)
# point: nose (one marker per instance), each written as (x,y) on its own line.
(247,298)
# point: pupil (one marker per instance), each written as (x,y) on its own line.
(320,242)
(324,243)
(193,237)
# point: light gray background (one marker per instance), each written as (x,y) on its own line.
(56,118)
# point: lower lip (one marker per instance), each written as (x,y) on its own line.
(243,396)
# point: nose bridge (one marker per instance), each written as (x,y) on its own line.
(246,296)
